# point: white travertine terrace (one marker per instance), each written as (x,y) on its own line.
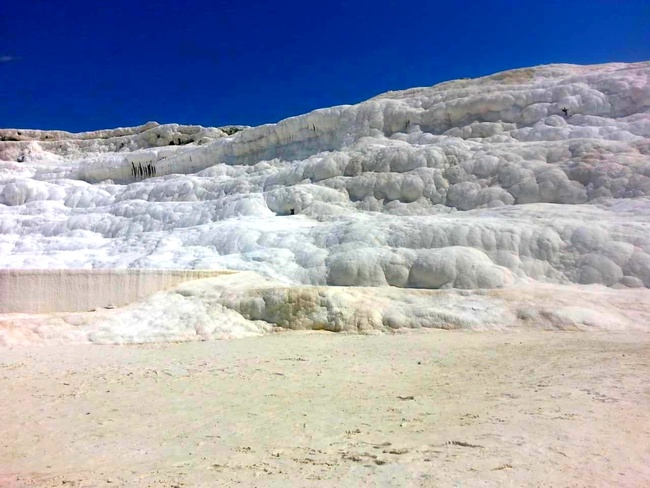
(472,184)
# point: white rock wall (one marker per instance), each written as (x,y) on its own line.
(468,184)
(80,290)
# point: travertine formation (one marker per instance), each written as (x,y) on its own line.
(527,176)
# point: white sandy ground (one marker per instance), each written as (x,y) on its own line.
(425,408)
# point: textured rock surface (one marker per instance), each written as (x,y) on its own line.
(469,184)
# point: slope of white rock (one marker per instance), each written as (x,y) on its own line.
(246,304)
(471,184)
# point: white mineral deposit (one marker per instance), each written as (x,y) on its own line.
(512,211)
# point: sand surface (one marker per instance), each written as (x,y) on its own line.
(435,408)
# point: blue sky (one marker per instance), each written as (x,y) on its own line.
(80,65)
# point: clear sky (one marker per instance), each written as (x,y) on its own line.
(82,65)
